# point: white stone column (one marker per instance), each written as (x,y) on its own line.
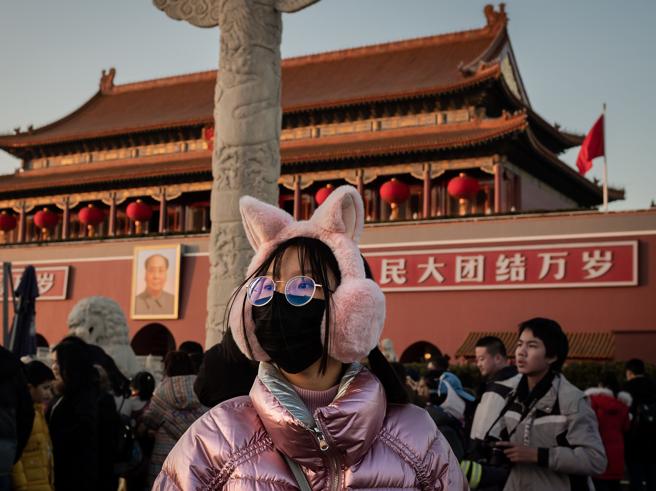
(247,122)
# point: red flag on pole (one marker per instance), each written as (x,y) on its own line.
(593,146)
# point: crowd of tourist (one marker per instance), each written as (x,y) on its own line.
(79,424)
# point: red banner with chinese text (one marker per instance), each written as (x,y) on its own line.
(52,281)
(567,265)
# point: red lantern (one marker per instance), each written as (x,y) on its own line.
(139,212)
(323,193)
(208,136)
(46,219)
(463,187)
(394,192)
(7,222)
(91,216)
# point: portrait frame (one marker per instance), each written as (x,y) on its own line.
(141,303)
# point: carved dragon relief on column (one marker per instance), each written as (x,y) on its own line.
(248,116)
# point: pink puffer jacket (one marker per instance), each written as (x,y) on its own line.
(357,442)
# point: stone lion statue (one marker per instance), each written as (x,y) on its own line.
(100,321)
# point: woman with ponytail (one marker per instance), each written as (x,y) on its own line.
(315,418)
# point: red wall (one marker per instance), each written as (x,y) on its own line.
(113,279)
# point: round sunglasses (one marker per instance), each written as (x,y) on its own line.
(299,290)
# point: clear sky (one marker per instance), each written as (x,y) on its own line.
(573,56)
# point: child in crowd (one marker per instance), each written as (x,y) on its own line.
(34,470)
(142,387)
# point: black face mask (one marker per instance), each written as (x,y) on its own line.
(290,335)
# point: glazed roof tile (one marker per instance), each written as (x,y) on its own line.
(380,72)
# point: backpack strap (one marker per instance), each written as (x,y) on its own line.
(298,474)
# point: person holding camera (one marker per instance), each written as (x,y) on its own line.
(550,433)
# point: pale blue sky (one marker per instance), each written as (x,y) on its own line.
(573,55)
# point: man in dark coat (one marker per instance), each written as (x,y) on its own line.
(640,441)
(225,373)
(16,414)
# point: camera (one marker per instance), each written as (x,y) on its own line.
(492,455)
(498,458)
(489,466)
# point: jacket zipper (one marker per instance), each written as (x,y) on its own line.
(335,481)
(321,438)
(334,474)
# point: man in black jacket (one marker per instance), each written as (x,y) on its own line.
(640,441)
(224,373)
(16,414)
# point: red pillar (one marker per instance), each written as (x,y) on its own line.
(66,219)
(112,216)
(360,183)
(427,193)
(498,188)
(297,197)
(22,223)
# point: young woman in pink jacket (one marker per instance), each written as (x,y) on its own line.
(315,419)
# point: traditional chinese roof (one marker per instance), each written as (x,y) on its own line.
(582,345)
(397,70)
(400,141)
(550,135)
(326,151)
(155,170)
(560,176)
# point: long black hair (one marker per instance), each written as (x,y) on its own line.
(321,261)
(76,365)
(120,384)
(395,388)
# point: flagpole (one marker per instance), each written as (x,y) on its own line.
(605,166)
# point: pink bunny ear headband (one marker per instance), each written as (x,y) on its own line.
(358,303)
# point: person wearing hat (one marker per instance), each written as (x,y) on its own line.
(316,418)
(454,395)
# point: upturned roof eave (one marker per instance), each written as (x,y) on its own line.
(594,192)
(565,139)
